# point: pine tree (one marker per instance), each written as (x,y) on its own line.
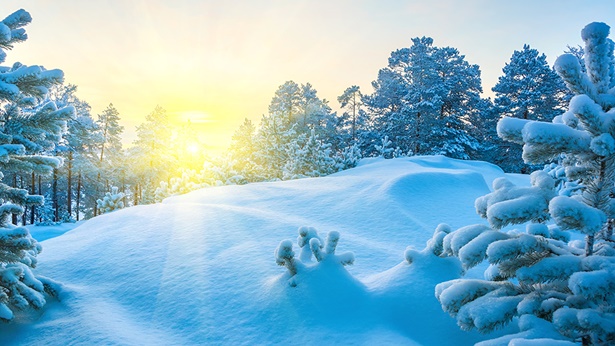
(423,101)
(28,125)
(272,139)
(110,149)
(550,283)
(529,89)
(113,200)
(151,158)
(350,102)
(309,157)
(79,149)
(242,151)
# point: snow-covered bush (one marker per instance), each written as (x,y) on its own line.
(538,272)
(384,150)
(19,288)
(309,156)
(189,181)
(112,201)
(311,244)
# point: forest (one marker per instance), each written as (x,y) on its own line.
(60,164)
(426,101)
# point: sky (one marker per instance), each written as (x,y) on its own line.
(216,63)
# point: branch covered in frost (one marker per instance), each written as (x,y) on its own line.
(285,256)
(571,214)
(309,240)
(333,237)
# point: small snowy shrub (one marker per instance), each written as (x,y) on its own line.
(539,272)
(311,244)
(112,201)
(384,149)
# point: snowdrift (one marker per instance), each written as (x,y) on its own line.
(200,268)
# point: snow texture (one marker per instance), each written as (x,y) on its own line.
(198,268)
(571,214)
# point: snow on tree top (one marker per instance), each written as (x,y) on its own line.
(595,30)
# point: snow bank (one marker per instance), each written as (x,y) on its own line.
(200,268)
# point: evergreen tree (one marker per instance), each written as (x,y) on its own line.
(113,200)
(272,139)
(550,283)
(79,148)
(111,141)
(424,100)
(151,158)
(529,89)
(242,150)
(350,102)
(309,157)
(28,125)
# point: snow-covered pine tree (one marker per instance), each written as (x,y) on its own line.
(423,101)
(350,102)
(79,149)
(25,124)
(384,149)
(295,111)
(242,150)
(309,157)
(529,89)
(551,284)
(189,181)
(113,200)
(150,157)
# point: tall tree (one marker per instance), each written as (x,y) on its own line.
(350,101)
(242,150)
(80,149)
(529,89)
(423,101)
(550,283)
(110,151)
(26,128)
(150,156)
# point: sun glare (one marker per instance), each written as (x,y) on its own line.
(192,148)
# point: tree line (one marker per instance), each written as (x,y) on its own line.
(425,101)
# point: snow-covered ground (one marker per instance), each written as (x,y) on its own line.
(200,268)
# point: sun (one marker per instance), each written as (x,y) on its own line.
(192,148)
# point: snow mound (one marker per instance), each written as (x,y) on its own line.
(200,268)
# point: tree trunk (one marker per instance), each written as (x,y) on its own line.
(136,196)
(354,116)
(33,208)
(54,196)
(40,191)
(14,216)
(69,187)
(78,206)
(124,199)
(97,193)
(417,145)
(25,208)
(589,245)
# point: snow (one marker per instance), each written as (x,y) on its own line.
(200,268)
(570,213)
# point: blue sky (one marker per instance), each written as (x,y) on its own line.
(221,61)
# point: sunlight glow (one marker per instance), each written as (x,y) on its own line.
(195,117)
(192,148)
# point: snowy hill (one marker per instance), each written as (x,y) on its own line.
(200,268)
